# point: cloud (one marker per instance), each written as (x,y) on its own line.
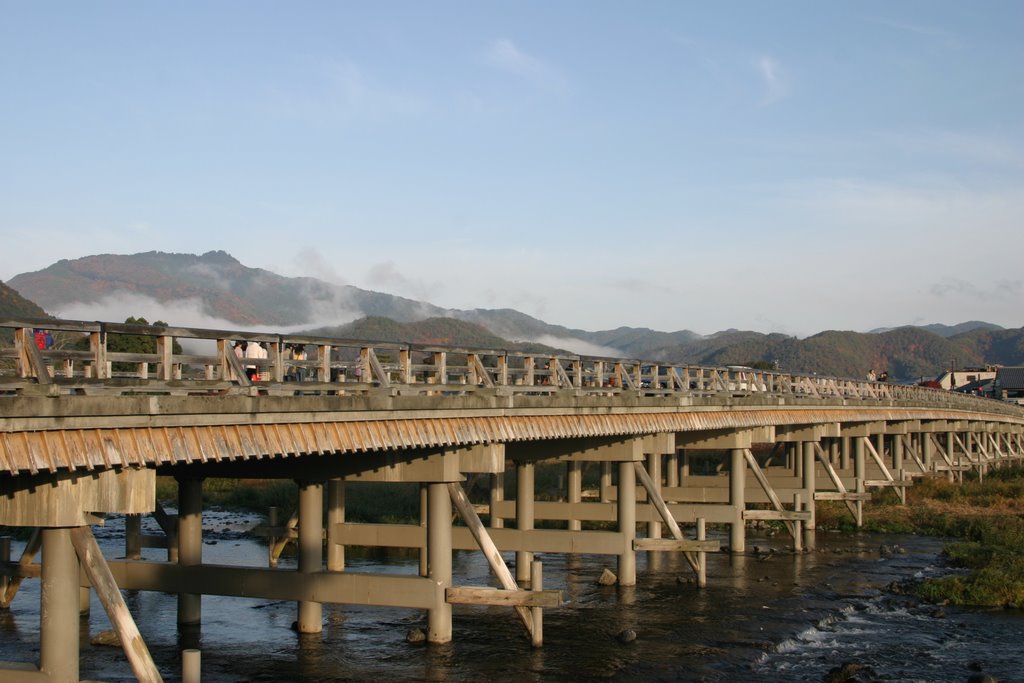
(578,346)
(503,54)
(118,307)
(773,77)
(639,286)
(954,287)
(388,277)
(310,262)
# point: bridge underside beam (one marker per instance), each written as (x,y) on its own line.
(66,499)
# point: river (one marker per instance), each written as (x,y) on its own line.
(769,616)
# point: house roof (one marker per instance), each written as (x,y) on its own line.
(1011,378)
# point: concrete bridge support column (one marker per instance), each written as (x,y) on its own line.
(58,607)
(311,534)
(606,482)
(654,469)
(672,470)
(809,482)
(797,458)
(927,451)
(190,545)
(737,499)
(626,515)
(133,537)
(497,495)
(859,474)
(335,516)
(439,558)
(950,474)
(524,516)
(574,489)
(845,451)
(897,465)
(424,512)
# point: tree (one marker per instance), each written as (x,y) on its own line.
(131,343)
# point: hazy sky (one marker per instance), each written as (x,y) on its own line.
(776,166)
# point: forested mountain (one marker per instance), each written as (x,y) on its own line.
(225,289)
(217,282)
(14,305)
(906,353)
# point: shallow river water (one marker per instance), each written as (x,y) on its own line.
(763,617)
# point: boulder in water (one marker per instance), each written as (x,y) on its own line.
(626,636)
(850,672)
(415,635)
(607,578)
(108,638)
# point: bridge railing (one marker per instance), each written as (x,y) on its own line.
(93,357)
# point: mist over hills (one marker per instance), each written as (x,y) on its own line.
(216,290)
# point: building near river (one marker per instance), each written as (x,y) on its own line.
(1009,384)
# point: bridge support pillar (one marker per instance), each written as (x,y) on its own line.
(58,607)
(927,451)
(606,482)
(311,534)
(737,499)
(497,496)
(844,453)
(858,474)
(190,545)
(574,489)
(626,515)
(951,474)
(672,470)
(897,466)
(335,516)
(654,469)
(439,559)
(524,516)
(809,481)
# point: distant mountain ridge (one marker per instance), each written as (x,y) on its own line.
(947,330)
(226,289)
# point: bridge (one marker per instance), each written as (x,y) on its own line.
(86,429)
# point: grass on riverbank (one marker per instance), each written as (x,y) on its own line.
(987,518)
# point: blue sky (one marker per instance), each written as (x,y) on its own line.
(784,166)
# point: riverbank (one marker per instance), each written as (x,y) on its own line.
(985,516)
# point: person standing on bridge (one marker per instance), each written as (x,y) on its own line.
(256,350)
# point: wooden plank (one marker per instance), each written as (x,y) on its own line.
(485,595)
(670,544)
(351,588)
(844,495)
(110,597)
(785,515)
